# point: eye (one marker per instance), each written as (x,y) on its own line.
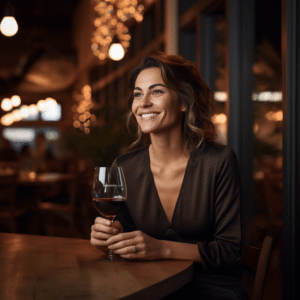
(157,92)
(137,94)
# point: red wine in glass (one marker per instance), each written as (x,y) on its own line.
(109,195)
(109,207)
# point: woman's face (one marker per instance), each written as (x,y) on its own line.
(154,105)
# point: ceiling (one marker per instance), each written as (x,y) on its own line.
(45,33)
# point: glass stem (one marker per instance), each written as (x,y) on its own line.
(111,256)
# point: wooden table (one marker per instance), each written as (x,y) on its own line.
(42,179)
(39,267)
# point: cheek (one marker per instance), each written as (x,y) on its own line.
(133,107)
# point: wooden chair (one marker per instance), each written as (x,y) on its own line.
(256,257)
(64,211)
(9,210)
(273,193)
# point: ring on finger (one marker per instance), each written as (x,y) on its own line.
(134,249)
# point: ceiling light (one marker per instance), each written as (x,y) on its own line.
(9,26)
(116,51)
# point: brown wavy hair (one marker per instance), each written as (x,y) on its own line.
(184,77)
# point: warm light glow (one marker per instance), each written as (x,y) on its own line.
(24,111)
(15,100)
(275,116)
(9,26)
(50,102)
(267,96)
(19,134)
(262,96)
(17,115)
(76,124)
(220,96)
(33,110)
(41,105)
(116,51)
(51,135)
(109,23)
(219,119)
(32,175)
(82,116)
(6,104)
(52,111)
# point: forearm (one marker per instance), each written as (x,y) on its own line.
(180,251)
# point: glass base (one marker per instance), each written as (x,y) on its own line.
(111,257)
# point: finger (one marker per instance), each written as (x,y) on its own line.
(104,228)
(117,225)
(100,235)
(121,237)
(124,244)
(96,242)
(100,220)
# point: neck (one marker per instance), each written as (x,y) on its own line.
(167,149)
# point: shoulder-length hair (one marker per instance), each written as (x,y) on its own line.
(184,77)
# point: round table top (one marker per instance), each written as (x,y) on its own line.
(40,267)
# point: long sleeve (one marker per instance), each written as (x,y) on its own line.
(226,247)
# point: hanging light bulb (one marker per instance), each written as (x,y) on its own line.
(116,51)
(9,26)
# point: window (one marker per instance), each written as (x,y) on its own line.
(19,137)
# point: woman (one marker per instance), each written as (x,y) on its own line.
(183,189)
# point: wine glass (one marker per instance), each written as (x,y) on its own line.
(109,195)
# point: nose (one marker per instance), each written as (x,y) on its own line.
(145,101)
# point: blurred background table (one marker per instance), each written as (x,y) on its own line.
(39,179)
(35,202)
(37,267)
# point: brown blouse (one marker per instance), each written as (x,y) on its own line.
(208,210)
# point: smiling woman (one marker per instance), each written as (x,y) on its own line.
(183,189)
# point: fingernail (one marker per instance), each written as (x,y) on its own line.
(115,230)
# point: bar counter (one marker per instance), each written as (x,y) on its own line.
(40,267)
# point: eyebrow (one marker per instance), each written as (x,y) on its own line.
(151,86)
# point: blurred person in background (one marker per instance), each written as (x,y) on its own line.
(7,153)
(43,159)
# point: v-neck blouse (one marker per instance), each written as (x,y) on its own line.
(208,210)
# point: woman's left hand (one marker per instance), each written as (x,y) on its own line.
(136,245)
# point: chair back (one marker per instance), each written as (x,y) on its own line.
(255,259)
(273,192)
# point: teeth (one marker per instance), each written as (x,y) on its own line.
(148,115)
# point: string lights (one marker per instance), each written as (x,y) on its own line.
(83,118)
(25,111)
(109,23)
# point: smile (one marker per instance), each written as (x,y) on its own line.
(149,115)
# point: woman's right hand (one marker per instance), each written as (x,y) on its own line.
(102,230)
